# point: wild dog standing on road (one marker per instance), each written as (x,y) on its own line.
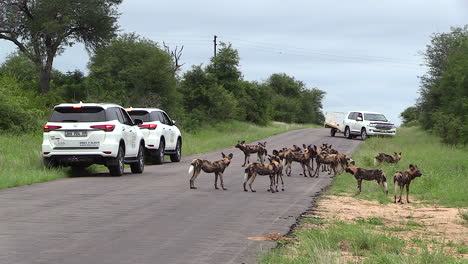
(404,178)
(287,155)
(252,169)
(304,158)
(279,174)
(216,167)
(368,175)
(329,150)
(260,149)
(382,157)
(323,158)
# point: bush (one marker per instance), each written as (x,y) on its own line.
(19,108)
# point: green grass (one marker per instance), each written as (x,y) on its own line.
(326,244)
(444,168)
(21,159)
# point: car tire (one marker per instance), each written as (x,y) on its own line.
(50,163)
(118,170)
(347,133)
(178,155)
(159,157)
(139,166)
(332,132)
(364,135)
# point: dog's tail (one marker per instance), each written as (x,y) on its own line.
(190,170)
(283,162)
(246,176)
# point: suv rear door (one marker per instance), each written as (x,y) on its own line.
(129,133)
(75,130)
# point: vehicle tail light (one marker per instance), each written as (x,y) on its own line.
(48,128)
(77,107)
(107,128)
(149,126)
(107,152)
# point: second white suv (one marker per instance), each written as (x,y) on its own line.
(161,135)
(79,135)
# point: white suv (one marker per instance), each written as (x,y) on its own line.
(161,135)
(79,135)
(365,124)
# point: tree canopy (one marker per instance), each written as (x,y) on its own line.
(42,28)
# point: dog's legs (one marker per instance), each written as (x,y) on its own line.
(252,179)
(407,193)
(281,177)
(194,176)
(245,159)
(303,169)
(401,192)
(395,184)
(359,183)
(222,181)
(309,169)
(272,183)
(246,179)
(216,180)
(316,174)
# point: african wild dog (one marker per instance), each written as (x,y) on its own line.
(382,157)
(305,158)
(323,158)
(328,150)
(279,174)
(216,167)
(260,149)
(404,178)
(368,175)
(252,169)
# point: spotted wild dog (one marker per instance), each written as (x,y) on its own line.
(216,167)
(323,158)
(295,154)
(253,169)
(279,173)
(305,158)
(260,149)
(368,175)
(329,150)
(382,157)
(404,178)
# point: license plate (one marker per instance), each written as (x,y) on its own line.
(76,133)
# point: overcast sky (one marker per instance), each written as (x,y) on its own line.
(365,54)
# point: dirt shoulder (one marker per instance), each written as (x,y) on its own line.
(412,222)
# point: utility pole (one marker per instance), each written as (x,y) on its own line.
(215,44)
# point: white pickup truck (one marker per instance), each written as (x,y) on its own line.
(359,123)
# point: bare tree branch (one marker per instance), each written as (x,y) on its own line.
(175,54)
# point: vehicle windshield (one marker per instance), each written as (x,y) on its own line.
(81,114)
(375,117)
(139,114)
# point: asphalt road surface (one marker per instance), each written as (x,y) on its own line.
(154,217)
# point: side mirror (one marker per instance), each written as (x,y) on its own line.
(358,118)
(138,122)
(173,122)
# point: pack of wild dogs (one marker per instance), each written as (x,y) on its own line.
(326,159)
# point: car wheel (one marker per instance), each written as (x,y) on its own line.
(178,155)
(159,157)
(332,132)
(118,169)
(50,163)
(139,166)
(347,133)
(364,134)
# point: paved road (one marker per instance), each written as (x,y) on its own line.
(155,217)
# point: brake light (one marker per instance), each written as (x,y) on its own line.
(77,106)
(107,128)
(149,126)
(48,128)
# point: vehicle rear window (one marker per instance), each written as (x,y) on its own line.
(83,114)
(138,114)
(375,117)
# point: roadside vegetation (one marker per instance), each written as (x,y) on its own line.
(442,106)
(21,159)
(347,227)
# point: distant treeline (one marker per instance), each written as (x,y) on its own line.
(443,103)
(133,71)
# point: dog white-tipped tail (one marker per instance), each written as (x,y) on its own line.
(246,176)
(385,187)
(190,170)
(376,162)
(283,162)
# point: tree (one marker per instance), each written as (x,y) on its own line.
(410,115)
(133,71)
(42,28)
(225,67)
